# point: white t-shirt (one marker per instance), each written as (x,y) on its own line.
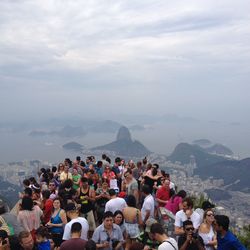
(148,204)
(85,228)
(115,204)
(180,217)
(167,246)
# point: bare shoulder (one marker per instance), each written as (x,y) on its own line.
(203,228)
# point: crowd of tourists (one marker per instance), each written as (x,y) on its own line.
(103,205)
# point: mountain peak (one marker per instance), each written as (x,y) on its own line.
(123,134)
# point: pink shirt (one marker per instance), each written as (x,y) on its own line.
(30,219)
(173,205)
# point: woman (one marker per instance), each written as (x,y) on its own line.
(29,216)
(102,196)
(175,203)
(108,174)
(207,232)
(132,218)
(60,169)
(119,220)
(57,222)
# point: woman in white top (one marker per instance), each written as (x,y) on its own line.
(29,216)
(207,232)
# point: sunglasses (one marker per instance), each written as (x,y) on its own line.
(210,215)
(190,229)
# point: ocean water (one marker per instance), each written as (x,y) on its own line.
(158,138)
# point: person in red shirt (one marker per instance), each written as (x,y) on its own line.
(108,174)
(162,194)
(47,206)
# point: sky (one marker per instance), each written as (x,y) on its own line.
(64,57)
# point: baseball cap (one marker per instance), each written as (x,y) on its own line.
(206,205)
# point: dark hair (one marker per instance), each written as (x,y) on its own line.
(54,169)
(112,192)
(99,164)
(76,227)
(26,182)
(90,245)
(182,194)
(189,202)
(145,189)
(107,215)
(119,212)
(27,203)
(223,221)
(131,201)
(129,171)
(78,158)
(104,156)
(144,161)
(136,246)
(108,160)
(42,231)
(28,191)
(23,234)
(84,179)
(68,183)
(186,223)
(154,171)
(157,228)
(46,194)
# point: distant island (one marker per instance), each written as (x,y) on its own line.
(74,146)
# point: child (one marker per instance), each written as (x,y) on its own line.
(42,240)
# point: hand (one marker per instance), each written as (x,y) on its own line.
(106,244)
(49,224)
(189,237)
(146,248)
(188,213)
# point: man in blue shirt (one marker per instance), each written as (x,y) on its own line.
(226,240)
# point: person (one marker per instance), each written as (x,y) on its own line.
(146,238)
(73,214)
(162,194)
(175,202)
(167,243)
(119,220)
(102,197)
(206,205)
(186,213)
(4,240)
(29,216)
(47,206)
(86,199)
(108,234)
(52,189)
(65,175)
(206,230)
(130,184)
(115,203)
(75,242)
(136,246)
(76,178)
(108,175)
(148,207)
(90,245)
(57,222)
(26,241)
(42,240)
(190,240)
(133,220)
(226,240)
(10,220)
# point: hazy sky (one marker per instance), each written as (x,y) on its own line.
(60,57)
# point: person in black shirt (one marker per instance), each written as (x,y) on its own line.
(190,240)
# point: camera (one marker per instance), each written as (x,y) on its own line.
(195,235)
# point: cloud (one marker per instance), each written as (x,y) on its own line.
(169,52)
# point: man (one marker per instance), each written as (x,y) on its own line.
(130,184)
(47,206)
(108,235)
(167,243)
(190,240)
(148,207)
(146,238)
(226,240)
(75,243)
(162,194)
(115,203)
(186,213)
(26,241)
(73,213)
